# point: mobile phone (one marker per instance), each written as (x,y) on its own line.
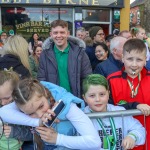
(57,110)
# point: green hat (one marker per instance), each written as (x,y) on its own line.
(93,31)
(1,31)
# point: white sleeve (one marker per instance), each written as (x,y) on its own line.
(11,114)
(30,48)
(135,129)
(88,138)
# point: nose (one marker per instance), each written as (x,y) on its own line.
(134,63)
(97,98)
(39,114)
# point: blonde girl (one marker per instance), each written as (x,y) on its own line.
(16,56)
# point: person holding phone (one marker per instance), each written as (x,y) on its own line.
(35,100)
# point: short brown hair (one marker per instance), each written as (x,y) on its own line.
(134,45)
(61,23)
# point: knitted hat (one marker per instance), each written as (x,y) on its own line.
(93,31)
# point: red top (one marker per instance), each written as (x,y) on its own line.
(121,90)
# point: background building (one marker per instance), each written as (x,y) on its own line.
(28,16)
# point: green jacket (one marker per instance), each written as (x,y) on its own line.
(9,143)
(33,66)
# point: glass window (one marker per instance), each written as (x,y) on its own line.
(102,15)
(26,20)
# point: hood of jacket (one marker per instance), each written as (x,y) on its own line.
(47,43)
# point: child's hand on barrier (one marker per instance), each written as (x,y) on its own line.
(128,143)
(7,130)
(47,134)
(144,108)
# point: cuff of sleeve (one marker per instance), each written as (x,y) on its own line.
(133,136)
(59,137)
(135,105)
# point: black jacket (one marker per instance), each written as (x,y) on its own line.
(9,60)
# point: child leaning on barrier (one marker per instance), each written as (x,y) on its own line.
(130,86)
(36,101)
(13,135)
(115,133)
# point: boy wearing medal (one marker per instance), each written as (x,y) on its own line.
(115,133)
(130,86)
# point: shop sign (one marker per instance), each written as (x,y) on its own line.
(108,3)
(33,26)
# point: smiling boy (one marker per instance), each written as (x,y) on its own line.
(130,86)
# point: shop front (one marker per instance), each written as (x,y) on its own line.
(28,16)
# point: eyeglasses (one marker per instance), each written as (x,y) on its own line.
(101,34)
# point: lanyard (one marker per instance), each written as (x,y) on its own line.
(134,92)
(110,147)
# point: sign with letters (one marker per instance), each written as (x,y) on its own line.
(102,3)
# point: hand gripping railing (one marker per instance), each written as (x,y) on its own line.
(121,113)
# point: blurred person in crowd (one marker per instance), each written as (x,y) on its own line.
(101,52)
(34,41)
(80,33)
(97,35)
(139,33)
(14,135)
(116,32)
(108,38)
(3,37)
(16,56)
(34,60)
(114,62)
(126,34)
(63,60)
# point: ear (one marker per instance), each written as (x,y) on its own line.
(84,97)
(50,34)
(68,33)
(122,58)
(114,51)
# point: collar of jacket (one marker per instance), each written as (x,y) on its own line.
(48,42)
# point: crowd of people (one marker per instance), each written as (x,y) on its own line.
(89,73)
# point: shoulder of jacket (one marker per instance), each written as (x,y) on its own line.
(77,41)
(117,74)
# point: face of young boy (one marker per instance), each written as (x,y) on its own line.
(97,98)
(134,62)
(60,36)
(6,93)
(36,106)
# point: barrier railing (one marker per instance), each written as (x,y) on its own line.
(132,112)
(121,113)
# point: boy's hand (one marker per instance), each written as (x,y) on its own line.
(128,143)
(47,134)
(144,108)
(7,130)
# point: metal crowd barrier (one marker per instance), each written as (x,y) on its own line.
(131,112)
(121,113)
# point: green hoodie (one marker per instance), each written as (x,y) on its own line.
(13,143)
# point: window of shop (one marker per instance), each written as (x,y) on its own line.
(27,20)
(97,17)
